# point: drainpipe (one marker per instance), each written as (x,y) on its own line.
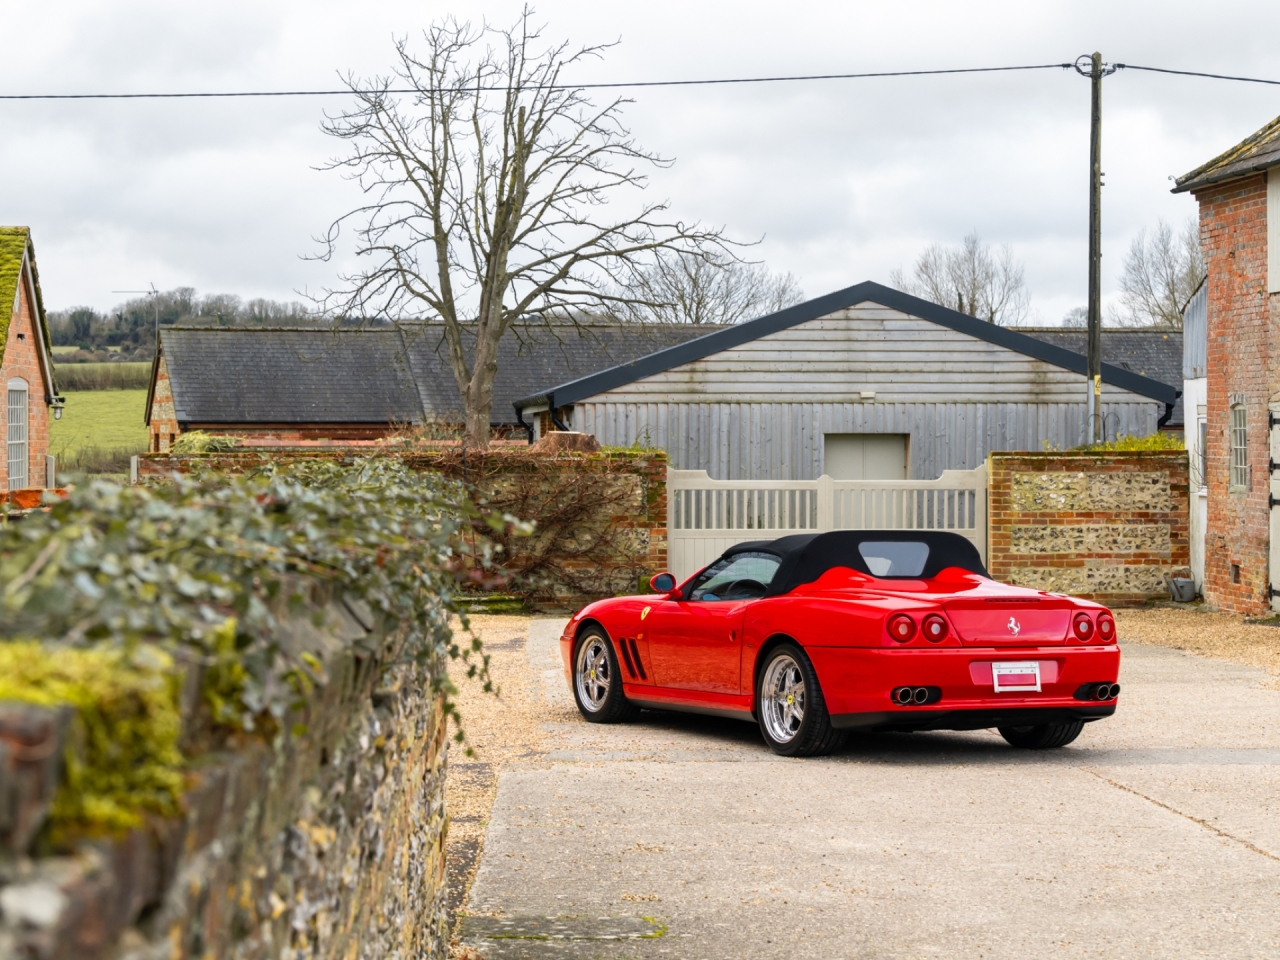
(528,427)
(551,408)
(1164,417)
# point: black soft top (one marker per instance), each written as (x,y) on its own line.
(807,556)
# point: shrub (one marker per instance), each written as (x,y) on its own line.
(204,564)
(103,376)
(198,441)
(95,460)
(1160,440)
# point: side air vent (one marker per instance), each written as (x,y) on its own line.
(626,658)
(635,652)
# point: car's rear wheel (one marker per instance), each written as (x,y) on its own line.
(790,707)
(597,681)
(1043,736)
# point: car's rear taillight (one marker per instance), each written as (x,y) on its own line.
(901,627)
(1106,627)
(1083,627)
(934,628)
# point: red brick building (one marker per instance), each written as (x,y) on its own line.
(26,368)
(1239,197)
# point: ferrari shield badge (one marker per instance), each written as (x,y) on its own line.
(645,612)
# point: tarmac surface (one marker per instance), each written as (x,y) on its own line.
(1156,834)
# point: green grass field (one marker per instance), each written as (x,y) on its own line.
(107,419)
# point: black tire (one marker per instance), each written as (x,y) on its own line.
(597,679)
(813,735)
(1045,736)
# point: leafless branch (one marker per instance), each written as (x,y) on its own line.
(487,191)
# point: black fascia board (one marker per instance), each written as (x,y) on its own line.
(702,347)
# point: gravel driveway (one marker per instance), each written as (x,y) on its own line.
(1157,834)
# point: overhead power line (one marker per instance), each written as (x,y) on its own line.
(1193,73)
(722,81)
(563,86)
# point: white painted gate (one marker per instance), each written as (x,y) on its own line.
(705,517)
(1273,502)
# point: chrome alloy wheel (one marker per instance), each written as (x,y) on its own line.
(592,674)
(782,699)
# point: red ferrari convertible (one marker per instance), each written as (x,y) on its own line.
(814,635)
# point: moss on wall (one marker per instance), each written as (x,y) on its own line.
(123,761)
(14,242)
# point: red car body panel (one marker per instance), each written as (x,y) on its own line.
(703,656)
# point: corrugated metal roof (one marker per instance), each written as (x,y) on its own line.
(1256,152)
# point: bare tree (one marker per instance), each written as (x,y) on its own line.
(1076,318)
(1161,273)
(975,279)
(487,186)
(682,288)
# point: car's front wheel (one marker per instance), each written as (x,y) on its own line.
(790,707)
(597,681)
(1043,736)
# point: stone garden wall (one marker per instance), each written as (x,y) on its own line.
(1108,526)
(323,841)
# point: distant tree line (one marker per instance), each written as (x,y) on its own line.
(128,331)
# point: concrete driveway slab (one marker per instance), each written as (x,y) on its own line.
(1157,834)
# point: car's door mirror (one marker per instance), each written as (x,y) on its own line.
(662,583)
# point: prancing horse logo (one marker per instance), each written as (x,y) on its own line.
(1014,626)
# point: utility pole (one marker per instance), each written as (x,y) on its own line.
(1093,363)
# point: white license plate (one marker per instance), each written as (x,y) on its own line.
(1022,676)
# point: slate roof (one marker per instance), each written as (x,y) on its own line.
(1256,152)
(571,391)
(1150,353)
(535,354)
(246,375)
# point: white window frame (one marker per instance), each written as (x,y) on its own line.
(1238,437)
(18,433)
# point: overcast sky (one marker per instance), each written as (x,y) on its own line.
(844,180)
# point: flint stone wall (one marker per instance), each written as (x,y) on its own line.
(326,842)
(1107,526)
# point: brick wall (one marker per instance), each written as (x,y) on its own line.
(1233,236)
(1107,526)
(22,359)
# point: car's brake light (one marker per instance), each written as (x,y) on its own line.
(1083,626)
(934,628)
(901,627)
(1106,627)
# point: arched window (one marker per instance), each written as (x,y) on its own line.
(18,430)
(1239,479)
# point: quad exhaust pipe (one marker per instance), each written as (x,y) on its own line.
(915,696)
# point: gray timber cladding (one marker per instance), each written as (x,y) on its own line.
(1195,332)
(758,407)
